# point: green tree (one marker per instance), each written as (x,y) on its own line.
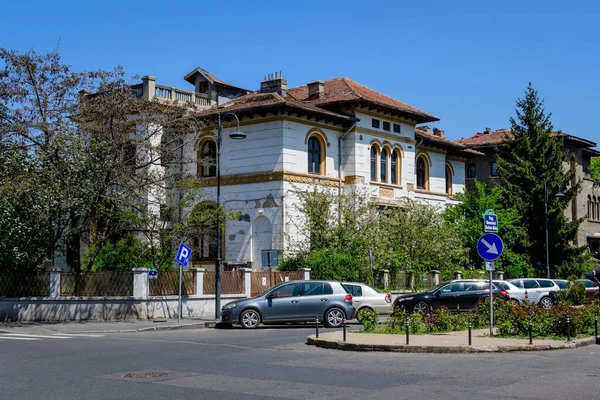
(467,218)
(595,169)
(91,157)
(531,157)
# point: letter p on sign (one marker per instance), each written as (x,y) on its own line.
(183,254)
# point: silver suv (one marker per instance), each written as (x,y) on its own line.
(538,290)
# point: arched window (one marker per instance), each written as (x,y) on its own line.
(203,221)
(374,156)
(314,156)
(383,166)
(594,215)
(422,173)
(589,207)
(207,159)
(448,181)
(394,171)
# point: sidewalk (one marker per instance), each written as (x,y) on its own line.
(452,342)
(81,327)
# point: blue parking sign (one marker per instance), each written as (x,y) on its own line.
(183,255)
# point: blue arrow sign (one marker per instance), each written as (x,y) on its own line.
(490,246)
(183,255)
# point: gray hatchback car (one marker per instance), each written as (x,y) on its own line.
(297,301)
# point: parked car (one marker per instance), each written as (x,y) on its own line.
(457,295)
(516,294)
(561,283)
(297,301)
(364,297)
(538,290)
(591,289)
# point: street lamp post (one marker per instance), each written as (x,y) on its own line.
(235,135)
(559,195)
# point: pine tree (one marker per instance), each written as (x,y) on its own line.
(530,157)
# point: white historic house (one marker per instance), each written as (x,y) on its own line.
(336,133)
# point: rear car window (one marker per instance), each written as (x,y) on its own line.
(452,288)
(473,286)
(502,285)
(354,290)
(518,284)
(589,284)
(313,289)
(561,284)
(327,289)
(546,283)
(530,284)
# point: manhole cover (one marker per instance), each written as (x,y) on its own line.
(145,375)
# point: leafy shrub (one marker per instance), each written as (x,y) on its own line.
(576,293)
(369,319)
(125,254)
(330,264)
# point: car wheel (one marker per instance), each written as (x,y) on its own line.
(546,303)
(362,309)
(334,318)
(421,308)
(516,302)
(250,319)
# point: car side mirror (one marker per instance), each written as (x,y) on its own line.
(272,295)
(437,294)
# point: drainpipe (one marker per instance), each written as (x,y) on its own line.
(340,139)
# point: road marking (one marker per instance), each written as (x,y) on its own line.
(36,336)
(72,335)
(16,338)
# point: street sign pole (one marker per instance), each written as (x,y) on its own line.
(183,256)
(491,307)
(371,264)
(180,307)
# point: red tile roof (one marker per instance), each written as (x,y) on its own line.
(498,137)
(341,90)
(257,100)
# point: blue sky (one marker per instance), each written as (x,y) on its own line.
(464,61)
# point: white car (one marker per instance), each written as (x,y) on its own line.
(538,290)
(515,294)
(364,297)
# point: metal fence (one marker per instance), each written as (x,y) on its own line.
(100,284)
(167,283)
(261,281)
(232,282)
(18,284)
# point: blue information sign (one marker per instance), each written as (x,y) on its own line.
(490,246)
(183,255)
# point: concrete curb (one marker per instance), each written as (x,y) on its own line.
(339,345)
(199,325)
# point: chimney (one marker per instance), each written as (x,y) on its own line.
(487,131)
(274,84)
(424,129)
(439,133)
(316,89)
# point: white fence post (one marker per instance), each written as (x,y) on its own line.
(305,273)
(198,281)
(141,288)
(457,275)
(247,273)
(435,277)
(386,278)
(55,282)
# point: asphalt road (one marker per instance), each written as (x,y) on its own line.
(275,363)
